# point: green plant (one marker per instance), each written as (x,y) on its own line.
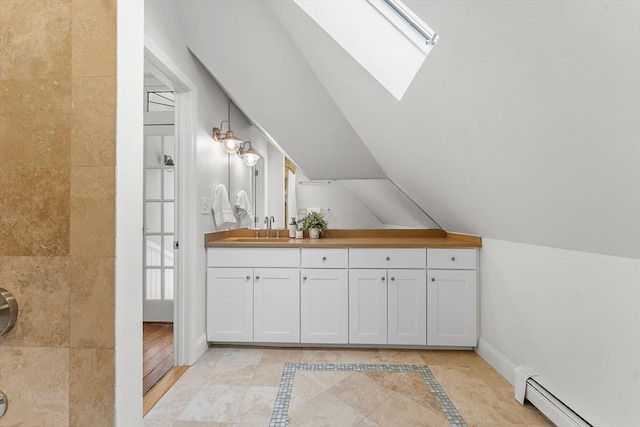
(314,220)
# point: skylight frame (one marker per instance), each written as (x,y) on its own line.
(383,36)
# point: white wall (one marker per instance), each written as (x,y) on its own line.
(521,125)
(271,81)
(164,28)
(571,317)
(129,160)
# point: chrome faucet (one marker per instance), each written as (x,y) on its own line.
(269,222)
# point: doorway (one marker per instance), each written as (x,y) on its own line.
(160,198)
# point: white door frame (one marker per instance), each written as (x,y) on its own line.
(185,343)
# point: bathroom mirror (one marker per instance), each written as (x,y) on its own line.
(361,204)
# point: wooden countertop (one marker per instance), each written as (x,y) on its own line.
(383,238)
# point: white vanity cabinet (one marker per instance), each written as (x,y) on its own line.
(253,295)
(324,294)
(276,305)
(452,288)
(387,296)
(230,304)
(367,306)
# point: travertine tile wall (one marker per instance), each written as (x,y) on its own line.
(57,209)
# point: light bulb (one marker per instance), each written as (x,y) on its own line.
(250,158)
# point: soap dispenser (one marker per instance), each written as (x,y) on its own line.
(292,228)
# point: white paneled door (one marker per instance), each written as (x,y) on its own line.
(159,278)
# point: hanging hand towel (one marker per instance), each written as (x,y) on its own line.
(222,212)
(243,210)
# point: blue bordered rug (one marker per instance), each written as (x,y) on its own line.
(281,408)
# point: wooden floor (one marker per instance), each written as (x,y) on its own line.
(157,352)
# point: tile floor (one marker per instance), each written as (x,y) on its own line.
(232,386)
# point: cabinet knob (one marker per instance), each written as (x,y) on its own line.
(388,258)
(393,278)
(304,277)
(324,258)
(453,258)
(248,277)
(257,277)
(433,279)
(383,278)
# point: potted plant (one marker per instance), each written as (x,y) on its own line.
(315,223)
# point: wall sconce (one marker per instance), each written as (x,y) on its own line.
(248,155)
(230,143)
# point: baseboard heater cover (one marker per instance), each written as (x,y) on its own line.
(526,387)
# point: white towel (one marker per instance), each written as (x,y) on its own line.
(243,210)
(222,212)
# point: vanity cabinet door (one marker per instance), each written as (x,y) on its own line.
(230,304)
(407,296)
(452,308)
(324,306)
(276,298)
(367,306)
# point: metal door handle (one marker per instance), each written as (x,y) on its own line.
(393,278)
(248,277)
(433,279)
(324,258)
(383,278)
(304,277)
(8,311)
(453,258)
(3,403)
(388,258)
(257,277)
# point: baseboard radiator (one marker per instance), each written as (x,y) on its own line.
(526,387)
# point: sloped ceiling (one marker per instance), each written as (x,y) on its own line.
(522,125)
(254,59)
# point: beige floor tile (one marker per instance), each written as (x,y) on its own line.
(267,374)
(529,413)
(324,410)
(201,424)
(321,356)
(242,355)
(169,408)
(325,379)
(361,356)
(304,389)
(231,373)
(408,384)
(457,376)
(219,403)
(480,405)
(360,392)
(401,411)
(288,355)
(400,357)
(257,405)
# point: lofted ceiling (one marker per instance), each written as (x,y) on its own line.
(522,124)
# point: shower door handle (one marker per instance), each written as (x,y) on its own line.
(8,311)
(3,403)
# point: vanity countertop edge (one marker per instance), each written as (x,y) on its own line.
(334,238)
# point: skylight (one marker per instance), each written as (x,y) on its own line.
(384,36)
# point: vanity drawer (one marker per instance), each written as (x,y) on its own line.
(324,258)
(452,259)
(387,258)
(253,257)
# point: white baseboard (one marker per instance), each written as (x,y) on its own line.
(496,359)
(201,348)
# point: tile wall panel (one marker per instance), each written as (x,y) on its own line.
(57,209)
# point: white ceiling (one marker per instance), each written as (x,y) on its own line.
(523,123)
